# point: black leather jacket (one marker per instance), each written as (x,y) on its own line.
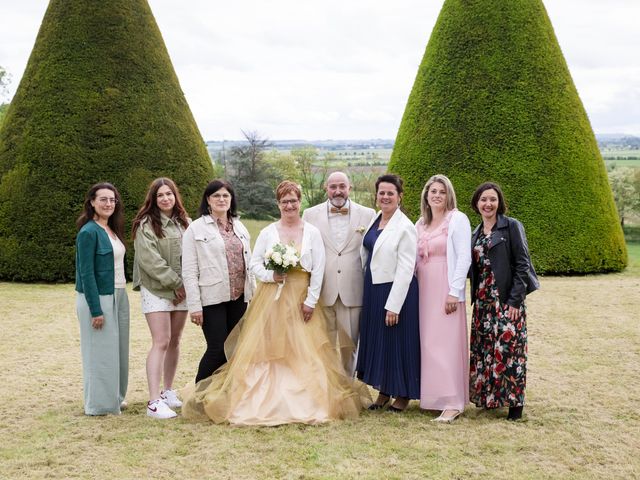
(510,262)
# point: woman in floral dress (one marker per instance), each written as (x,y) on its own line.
(501,277)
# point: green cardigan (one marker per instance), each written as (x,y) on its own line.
(95,273)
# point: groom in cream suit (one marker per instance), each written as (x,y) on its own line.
(342,223)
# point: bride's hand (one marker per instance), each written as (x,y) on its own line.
(279,277)
(307,312)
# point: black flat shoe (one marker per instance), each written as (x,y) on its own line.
(515,413)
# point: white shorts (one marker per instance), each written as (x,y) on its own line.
(152,303)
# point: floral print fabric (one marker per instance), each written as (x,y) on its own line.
(498,349)
(235,259)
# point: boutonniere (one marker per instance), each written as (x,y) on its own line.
(361,229)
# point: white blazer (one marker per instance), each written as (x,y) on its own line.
(393,258)
(458,253)
(311,258)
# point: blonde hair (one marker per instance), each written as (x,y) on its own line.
(425,210)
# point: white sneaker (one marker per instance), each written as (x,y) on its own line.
(170,398)
(159,409)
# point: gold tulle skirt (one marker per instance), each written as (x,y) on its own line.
(280,369)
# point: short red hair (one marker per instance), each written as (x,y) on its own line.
(286,187)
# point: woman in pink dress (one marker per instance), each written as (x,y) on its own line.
(444,257)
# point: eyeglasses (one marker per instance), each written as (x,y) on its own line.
(217,196)
(288,202)
(106,200)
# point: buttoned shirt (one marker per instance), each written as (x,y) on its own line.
(339,223)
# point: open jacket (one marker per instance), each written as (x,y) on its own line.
(312,258)
(157,261)
(95,272)
(393,258)
(510,262)
(205,272)
(458,252)
(343,268)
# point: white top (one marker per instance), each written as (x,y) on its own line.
(339,223)
(393,258)
(312,258)
(120,281)
(458,253)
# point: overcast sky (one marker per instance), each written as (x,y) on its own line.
(340,69)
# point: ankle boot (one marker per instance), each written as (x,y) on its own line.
(515,413)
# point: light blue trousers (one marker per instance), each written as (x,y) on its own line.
(105,353)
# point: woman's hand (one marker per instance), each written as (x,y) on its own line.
(307,313)
(451,305)
(180,295)
(513,313)
(196,317)
(279,277)
(391,319)
(97,322)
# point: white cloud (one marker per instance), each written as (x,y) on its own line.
(343,69)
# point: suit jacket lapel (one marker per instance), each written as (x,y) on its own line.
(355,220)
(325,228)
(387,231)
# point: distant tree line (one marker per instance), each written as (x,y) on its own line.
(255,169)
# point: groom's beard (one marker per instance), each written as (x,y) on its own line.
(338,202)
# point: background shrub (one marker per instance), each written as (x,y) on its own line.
(99,101)
(493,100)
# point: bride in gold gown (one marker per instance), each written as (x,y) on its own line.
(282,367)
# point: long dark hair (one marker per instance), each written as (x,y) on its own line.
(150,210)
(212,188)
(116,220)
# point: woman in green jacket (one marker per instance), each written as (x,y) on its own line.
(157,233)
(101,303)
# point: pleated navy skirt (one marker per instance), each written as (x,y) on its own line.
(389,357)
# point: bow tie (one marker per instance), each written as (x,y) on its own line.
(341,211)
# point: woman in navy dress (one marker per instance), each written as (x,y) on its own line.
(389,351)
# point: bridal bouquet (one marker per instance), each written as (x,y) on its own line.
(281,258)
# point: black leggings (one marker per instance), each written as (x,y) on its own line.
(218,321)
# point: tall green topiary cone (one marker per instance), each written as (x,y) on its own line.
(99,101)
(493,100)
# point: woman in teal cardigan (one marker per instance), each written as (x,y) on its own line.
(101,302)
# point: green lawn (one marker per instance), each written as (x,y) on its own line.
(581,419)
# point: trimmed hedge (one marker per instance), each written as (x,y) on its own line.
(493,100)
(99,101)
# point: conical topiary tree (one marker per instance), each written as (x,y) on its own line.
(99,101)
(493,100)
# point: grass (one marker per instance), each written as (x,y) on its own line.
(608,161)
(254,227)
(581,419)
